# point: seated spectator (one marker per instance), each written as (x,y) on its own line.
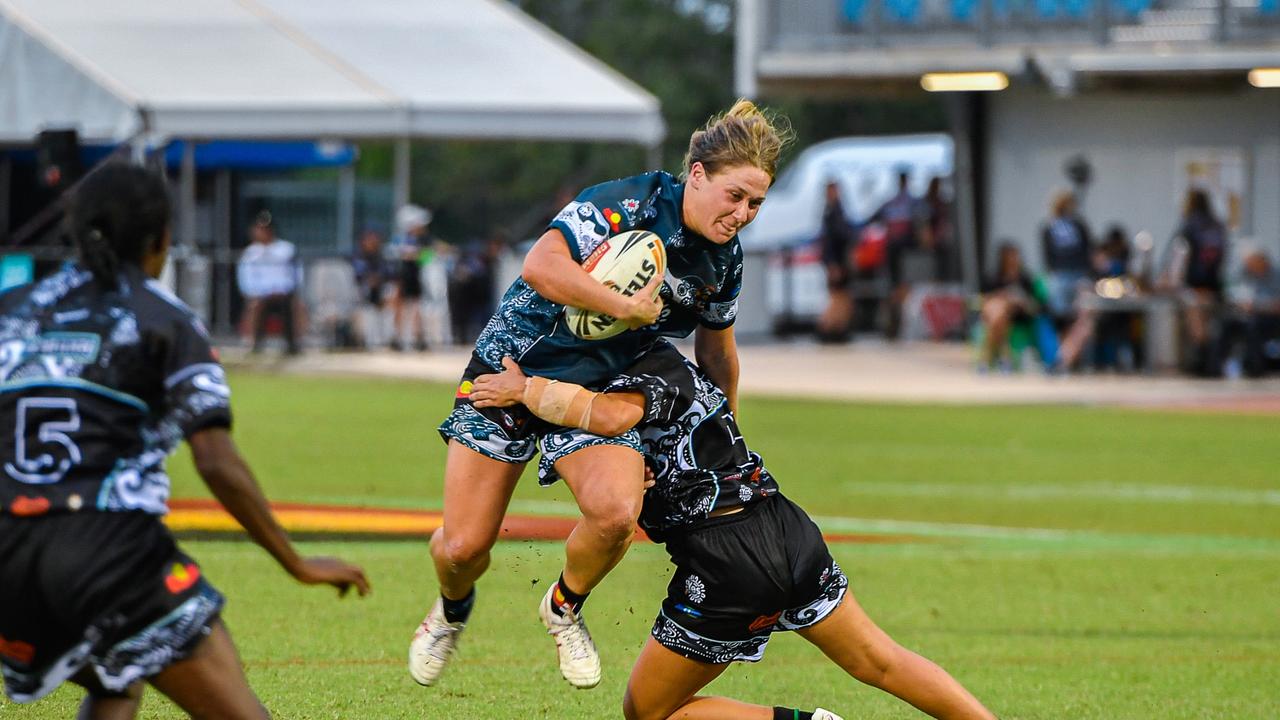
(1110,331)
(1011,300)
(269,275)
(372,273)
(1254,316)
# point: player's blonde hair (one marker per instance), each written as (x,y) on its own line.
(744,135)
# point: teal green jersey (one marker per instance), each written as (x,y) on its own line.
(701,286)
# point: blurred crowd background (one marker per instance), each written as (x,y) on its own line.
(1104,197)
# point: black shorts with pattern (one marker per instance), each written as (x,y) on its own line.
(106,591)
(741,577)
(508,434)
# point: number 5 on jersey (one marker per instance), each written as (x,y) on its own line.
(42,462)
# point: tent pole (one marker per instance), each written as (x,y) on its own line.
(653,156)
(6,171)
(400,191)
(191,271)
(224,264)
(346,220)
(187,185)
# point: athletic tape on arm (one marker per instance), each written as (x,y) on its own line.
(561,403)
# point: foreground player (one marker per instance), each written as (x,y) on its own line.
(102,373)
(749,562)
(728,170)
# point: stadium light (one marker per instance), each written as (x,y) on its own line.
(1265,77)
(964,82)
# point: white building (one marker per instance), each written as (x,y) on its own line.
(1155,95)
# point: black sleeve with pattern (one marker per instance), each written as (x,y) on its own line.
(722,309)
(196,394)
(659,397)
(601,211)
(663,377)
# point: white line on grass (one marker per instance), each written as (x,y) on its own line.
(1103,491)
(938,529)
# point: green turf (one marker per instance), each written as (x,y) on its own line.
(362,441)
(1070,562)
(1043,632)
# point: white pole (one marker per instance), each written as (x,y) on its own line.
(400,188)
(187,199)
(747,48)
(346,220)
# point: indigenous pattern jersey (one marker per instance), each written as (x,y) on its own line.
(97,387)
(691,441)
(701,288)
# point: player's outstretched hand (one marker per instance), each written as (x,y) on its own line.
(332,571)
(645,306)
(499,389)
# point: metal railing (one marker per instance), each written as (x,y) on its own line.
(809,25)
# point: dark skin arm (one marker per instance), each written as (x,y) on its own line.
(232,483)
(716,352)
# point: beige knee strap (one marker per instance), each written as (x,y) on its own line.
(560,403)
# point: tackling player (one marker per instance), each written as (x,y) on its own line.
(728,170)
(749,562)
(102,374)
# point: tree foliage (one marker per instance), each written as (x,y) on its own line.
(679,50)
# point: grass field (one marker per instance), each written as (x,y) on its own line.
(1065,562)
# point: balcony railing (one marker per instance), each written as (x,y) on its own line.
(831,24)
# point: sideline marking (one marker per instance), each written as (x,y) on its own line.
(207,516)
(1103,491)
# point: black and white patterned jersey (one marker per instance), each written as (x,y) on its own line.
(701,288)
(691,441)
(97,387)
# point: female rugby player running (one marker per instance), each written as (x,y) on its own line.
(102,374)
(728,169)
(749,562)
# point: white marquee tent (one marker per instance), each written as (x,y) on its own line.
(147,72)
(305,69)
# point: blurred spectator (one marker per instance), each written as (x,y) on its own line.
(406,250)
(1111,332)
(471,290)
(269,275)
(372,275)
(1112,256)
(1014,304)
(836,321)
(1254,317)
(1066,244)
(937,232)
(1195,269)
(437,267)
(900,216)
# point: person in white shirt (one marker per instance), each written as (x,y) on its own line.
(269,276)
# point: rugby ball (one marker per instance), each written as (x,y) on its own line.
(624,263)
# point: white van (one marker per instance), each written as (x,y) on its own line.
(867,170)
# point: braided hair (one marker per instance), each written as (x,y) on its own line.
(119,214)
